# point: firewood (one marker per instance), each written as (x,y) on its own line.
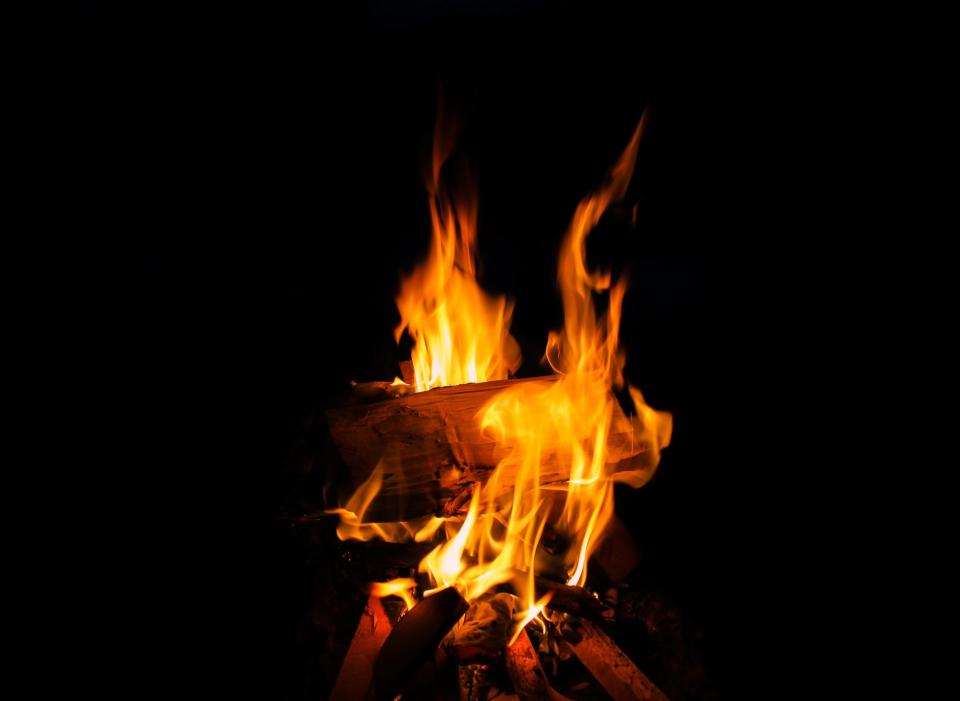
(617,553)
(414,641)
(525,671)
(353,682)
(611,667)
(431,445)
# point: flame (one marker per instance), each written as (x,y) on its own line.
(567,421)
(460,333)
(445,563)
(353,527)
(532,613)
(396,587)
(575,415)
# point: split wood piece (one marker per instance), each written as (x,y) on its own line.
(525,671)
(407,373)
(612,668)
(617,553)
(356,672)
(432,445)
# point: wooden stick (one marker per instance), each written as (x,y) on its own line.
(356,673)
(613,669)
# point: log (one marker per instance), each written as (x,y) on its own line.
(414,641)
(354,681)
(612,668)
(432,445)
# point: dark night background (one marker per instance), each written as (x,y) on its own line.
(264,181)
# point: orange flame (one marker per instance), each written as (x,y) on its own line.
(396,587)
(567,421)
(575,415)
(460,333)
(353,527)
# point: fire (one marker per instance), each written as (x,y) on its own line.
(460,333)
(566,421)
(353,527)
(396,587)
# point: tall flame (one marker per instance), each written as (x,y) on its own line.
(575,415)
(460,333)
(567,421)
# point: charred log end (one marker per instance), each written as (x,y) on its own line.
(414,641)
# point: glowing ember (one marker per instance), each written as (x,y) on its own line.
(461,335)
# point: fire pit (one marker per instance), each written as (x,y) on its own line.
(480,502)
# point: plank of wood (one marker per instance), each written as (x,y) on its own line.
(356,674)
(432,445)
(612,668)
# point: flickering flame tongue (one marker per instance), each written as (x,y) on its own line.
(574,415)
(568,420)
(460,333)
(396,587)
(353,527)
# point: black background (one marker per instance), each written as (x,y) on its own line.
(263,177)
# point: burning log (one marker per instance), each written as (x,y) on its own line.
(612,668)
(414,641)
(353,682)
(433,445)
